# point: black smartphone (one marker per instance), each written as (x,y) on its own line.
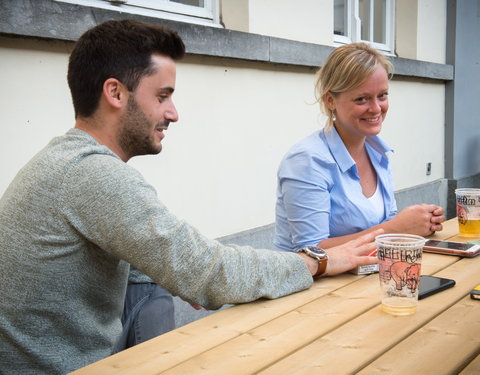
(431,284)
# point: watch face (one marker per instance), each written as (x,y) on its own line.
(314,249)
(317,252)
(320,255)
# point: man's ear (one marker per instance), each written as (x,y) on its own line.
(114,92)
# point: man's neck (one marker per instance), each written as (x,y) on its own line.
(102,134)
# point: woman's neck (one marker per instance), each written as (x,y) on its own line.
(355,144)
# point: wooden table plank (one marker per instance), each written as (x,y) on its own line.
(440,347)
(357,343)
(185,342)
(473,368)
(250,352)
(274,340)
(223,334)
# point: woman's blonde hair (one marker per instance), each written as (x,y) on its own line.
(347,68)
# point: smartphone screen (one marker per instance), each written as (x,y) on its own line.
(431,284)
(449,245)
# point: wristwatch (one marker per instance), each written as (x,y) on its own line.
(320,255)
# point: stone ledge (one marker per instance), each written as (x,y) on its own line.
(49,19)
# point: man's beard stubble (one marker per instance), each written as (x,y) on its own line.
(135,136)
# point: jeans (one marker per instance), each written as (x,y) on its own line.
(148,312)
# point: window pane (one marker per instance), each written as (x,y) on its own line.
(379,27)
(364,20)
(340,17)
(364,15)
(195,3)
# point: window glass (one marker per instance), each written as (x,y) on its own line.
(379,24)
(364,15)
(364,20)
(339,17)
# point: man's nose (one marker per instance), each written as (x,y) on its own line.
(171,113)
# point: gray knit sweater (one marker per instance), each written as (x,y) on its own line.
(70,222)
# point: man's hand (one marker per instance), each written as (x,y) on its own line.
(347,256)
(352,254)
(196,306)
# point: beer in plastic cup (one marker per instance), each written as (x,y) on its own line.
(400,258)
(468,211)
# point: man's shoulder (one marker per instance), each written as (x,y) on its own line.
(77,142)
(80,150)
(100,167)
(83,161)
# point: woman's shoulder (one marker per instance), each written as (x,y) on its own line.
(309,155)
(312,146)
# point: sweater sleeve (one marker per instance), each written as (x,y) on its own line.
(112,206)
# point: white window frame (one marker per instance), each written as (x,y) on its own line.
(207,15)
(353,26)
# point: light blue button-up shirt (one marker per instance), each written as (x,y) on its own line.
(319,193)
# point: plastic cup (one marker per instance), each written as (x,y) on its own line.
(468,211)
(400,257)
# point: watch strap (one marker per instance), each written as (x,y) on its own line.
(322,267)
(318,254)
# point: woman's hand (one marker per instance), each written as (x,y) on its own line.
(420,219)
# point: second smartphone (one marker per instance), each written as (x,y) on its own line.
(432,284)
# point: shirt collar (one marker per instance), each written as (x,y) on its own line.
(380,146)
(338,149)
(340,152)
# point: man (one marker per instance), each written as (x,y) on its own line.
(77,215)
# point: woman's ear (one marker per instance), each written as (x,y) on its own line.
(114,92)
(329,101)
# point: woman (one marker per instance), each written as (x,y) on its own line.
(336,184)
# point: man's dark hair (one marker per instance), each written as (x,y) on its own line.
(116,49)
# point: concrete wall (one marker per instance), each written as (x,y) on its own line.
(308,21)
(421,29)
(243,100)
(237,119)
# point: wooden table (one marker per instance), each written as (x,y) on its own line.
(335,327)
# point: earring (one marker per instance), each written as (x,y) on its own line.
(333,116)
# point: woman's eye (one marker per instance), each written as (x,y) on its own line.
(361,100)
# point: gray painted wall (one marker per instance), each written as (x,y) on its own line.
(463,94)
